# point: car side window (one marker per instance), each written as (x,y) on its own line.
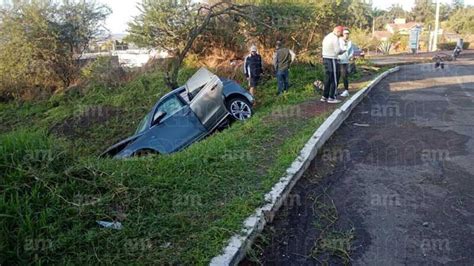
(170,106)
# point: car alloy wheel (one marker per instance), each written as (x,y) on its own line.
(240,109)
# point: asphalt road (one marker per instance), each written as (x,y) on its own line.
(410,58)
(394,185)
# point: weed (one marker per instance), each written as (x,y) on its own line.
(175,209)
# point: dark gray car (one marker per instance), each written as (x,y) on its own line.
(186,115)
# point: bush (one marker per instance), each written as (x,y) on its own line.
(104,70)
(39,43)
(452,45)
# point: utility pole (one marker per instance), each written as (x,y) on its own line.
(435,42)
(373,25)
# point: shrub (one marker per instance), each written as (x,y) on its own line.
(452,45)
(39,43)
(385,47)
(104,70)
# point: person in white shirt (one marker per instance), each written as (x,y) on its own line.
(344,60)
(331,50)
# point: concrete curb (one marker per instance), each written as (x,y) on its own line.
(238,244)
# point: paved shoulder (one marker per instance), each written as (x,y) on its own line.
(395,184)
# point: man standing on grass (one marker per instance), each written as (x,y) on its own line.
(344,60)
(253,68)
(331,51)
(282,60)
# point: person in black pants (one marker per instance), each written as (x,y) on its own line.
(331,78)
(331,50)
(253,68)
(344,61)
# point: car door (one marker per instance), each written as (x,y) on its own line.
(208,103)
(177,130)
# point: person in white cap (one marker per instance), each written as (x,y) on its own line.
(344,60)
(253,68)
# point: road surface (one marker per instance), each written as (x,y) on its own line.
(393,186)
(421,57)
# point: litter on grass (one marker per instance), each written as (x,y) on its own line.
(361,125)
(112,225)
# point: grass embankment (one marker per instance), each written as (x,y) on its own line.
(175,209)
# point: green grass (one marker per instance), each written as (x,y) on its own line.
(175,209)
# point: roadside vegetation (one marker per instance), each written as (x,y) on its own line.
(58,114)
(178,208)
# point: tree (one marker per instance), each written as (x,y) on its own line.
(457,4)
(360,14)
(25,54)
(423,11)
(462,21)
(393,12)
(377,18)
(363,40)
(175,26)
(396,11)
(41,41)
(74,25)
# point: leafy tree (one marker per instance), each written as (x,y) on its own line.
(175,26)
(445,12)
(363,40)
(393,12)
(396,11)
(457,4)
(40,41)
(378,18)
(423,11)
(360,14)
(75,24)
(462,21)
(26,48)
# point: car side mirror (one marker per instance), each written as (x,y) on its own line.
(157,118)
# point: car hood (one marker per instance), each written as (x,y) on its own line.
(118,147)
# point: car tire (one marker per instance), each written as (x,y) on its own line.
(144,153)
(239,108)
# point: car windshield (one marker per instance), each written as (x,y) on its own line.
(143,124)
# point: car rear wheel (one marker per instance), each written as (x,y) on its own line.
(239,108)
(144,153)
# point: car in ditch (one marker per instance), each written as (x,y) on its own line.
(187,115)
(358,53)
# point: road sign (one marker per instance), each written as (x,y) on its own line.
(415,38)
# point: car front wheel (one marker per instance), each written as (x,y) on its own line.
(239,108)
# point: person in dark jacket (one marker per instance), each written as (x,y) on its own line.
(253,68)
(282,60)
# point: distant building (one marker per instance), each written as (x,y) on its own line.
(401,26)
(127,54)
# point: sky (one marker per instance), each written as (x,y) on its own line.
(124,10)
